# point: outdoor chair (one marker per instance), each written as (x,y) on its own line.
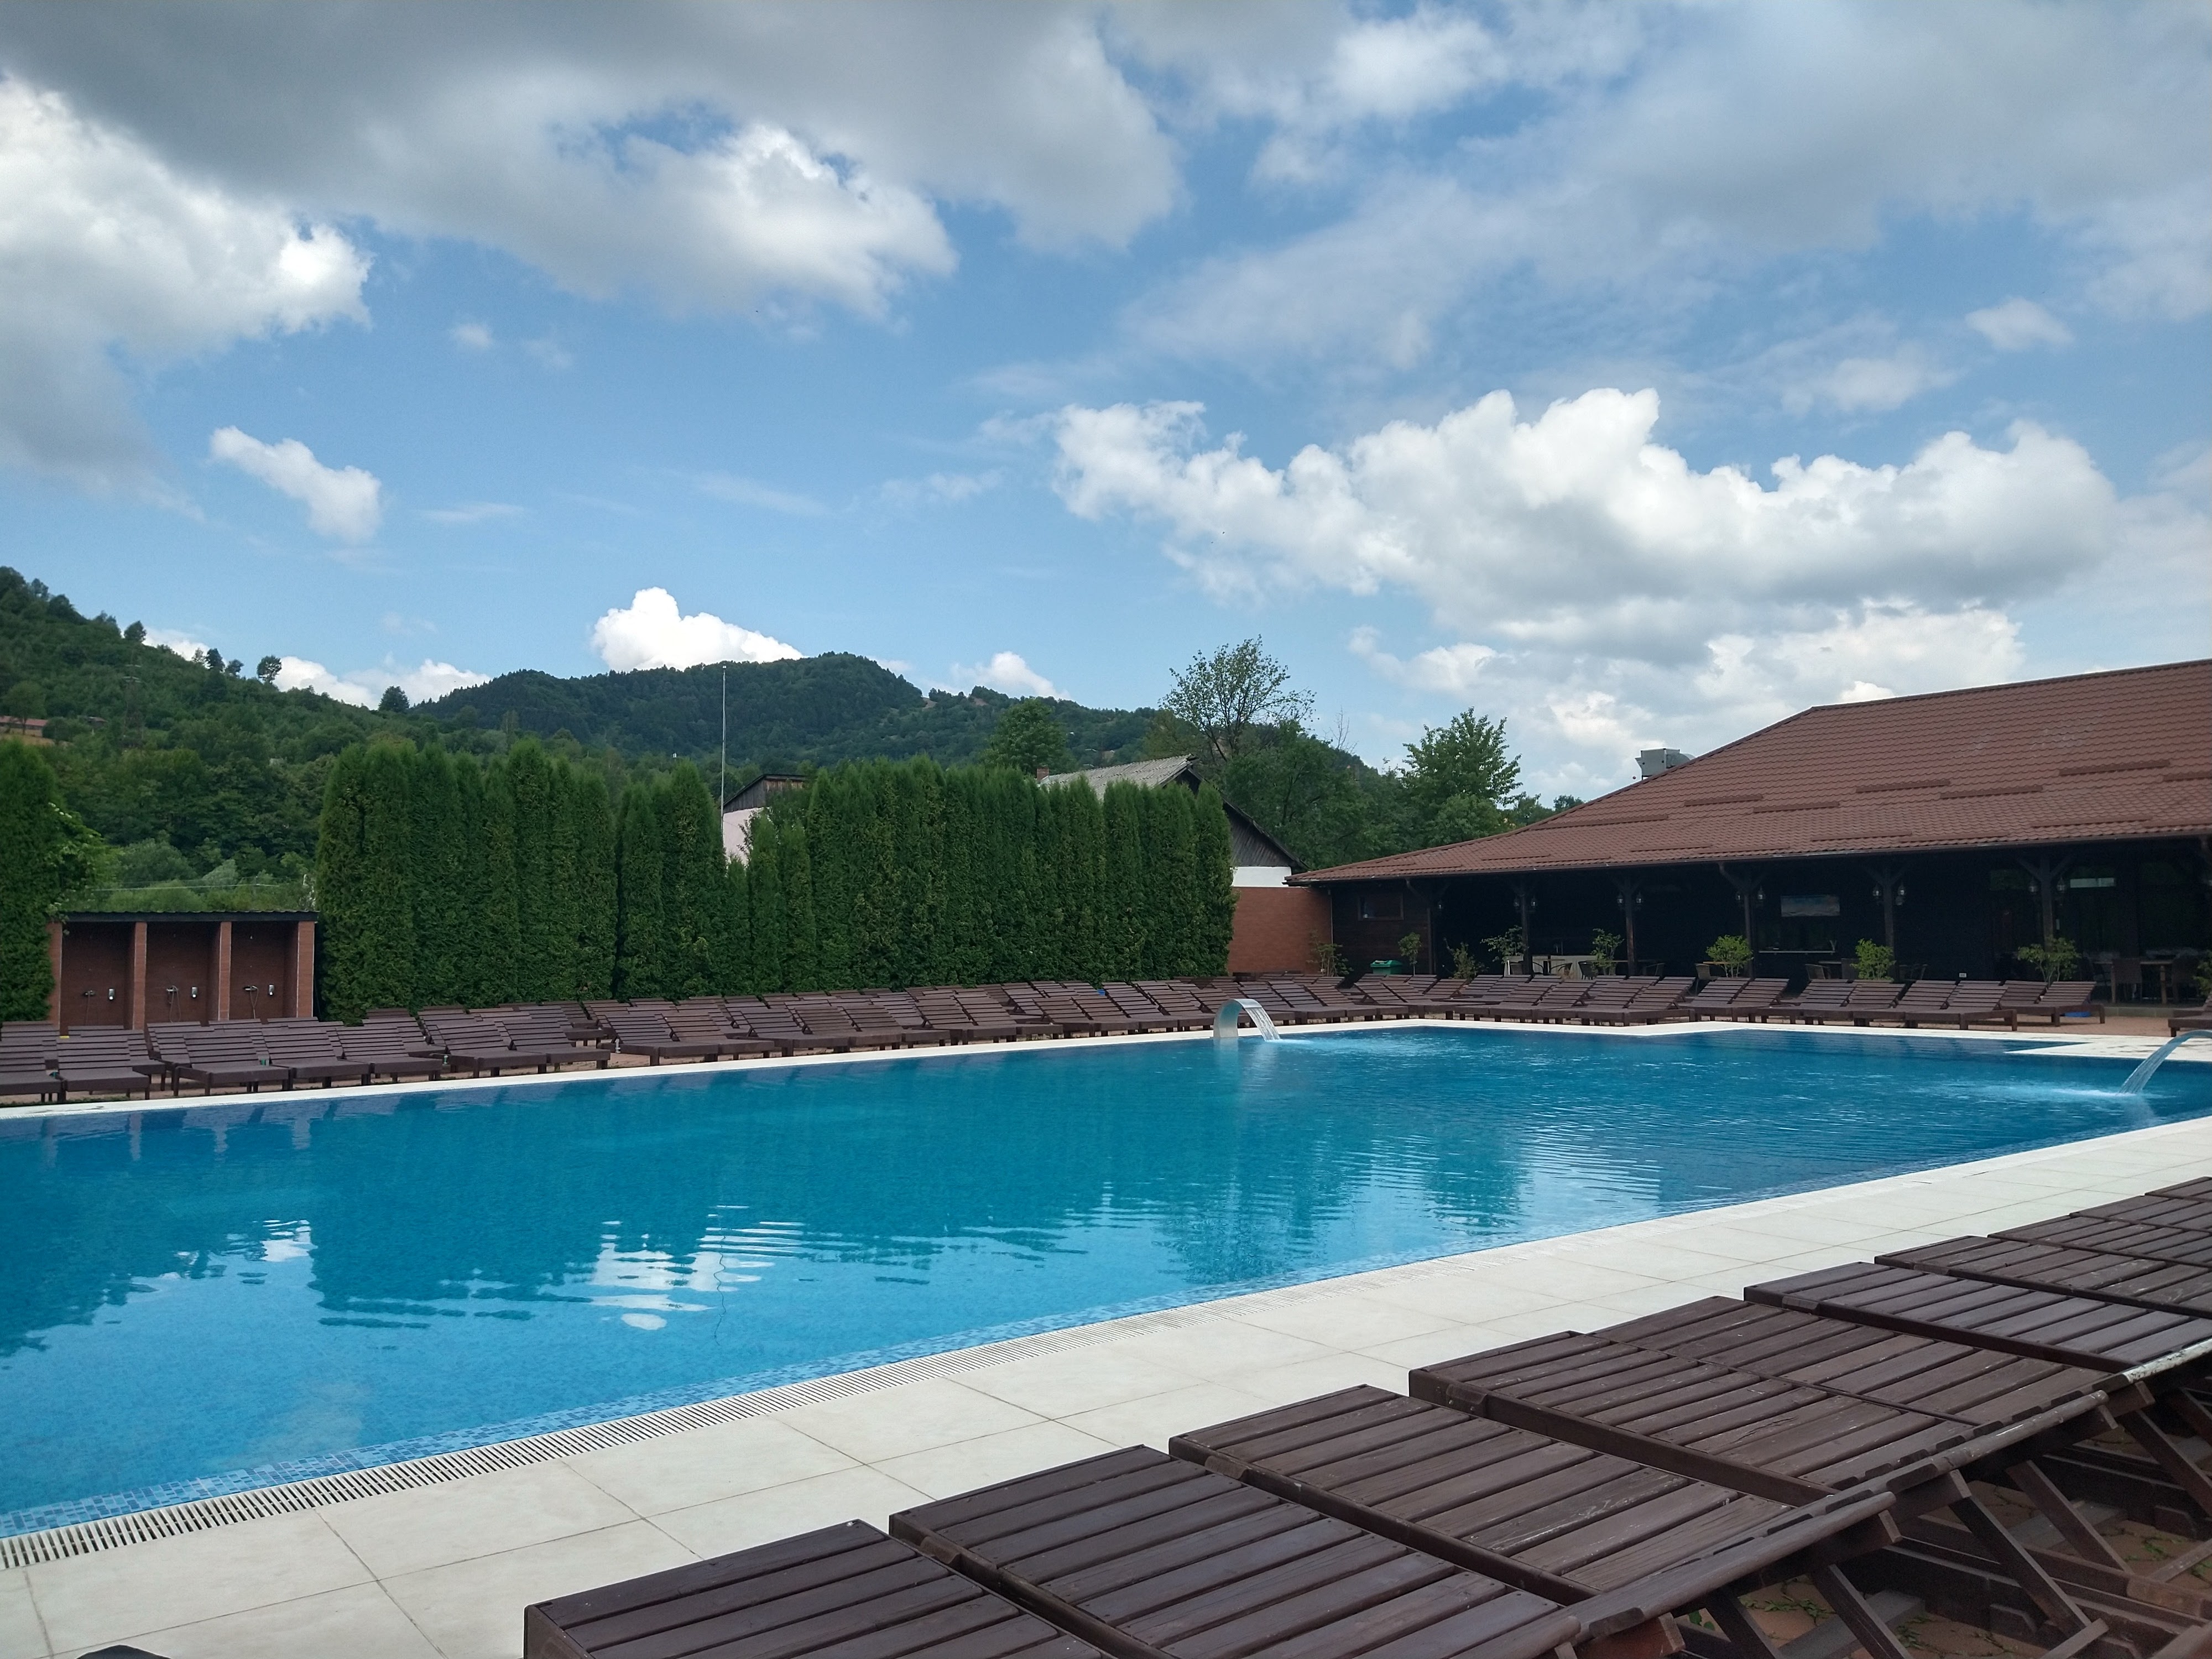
(644,1031)
(2191,1019)
(1130,1000)
(2063,999)
(992,1004)
(309,1049)
(944,1011)
(27,1048)
(1088,1012)
(226,1055)
(876,1024)
(390,1048)
(777,1022)
(1820,997)
(103,1060)
(474,1043)
(1864,999)
(545,1028)
(1176,997)
(708,1020)
(1663,1000)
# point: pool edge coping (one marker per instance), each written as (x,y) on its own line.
(197,1514)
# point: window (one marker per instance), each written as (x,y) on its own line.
(1382,906)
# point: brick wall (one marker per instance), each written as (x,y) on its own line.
(1275,927)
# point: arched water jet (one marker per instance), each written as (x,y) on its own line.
(1226,1022)
(2140,1077)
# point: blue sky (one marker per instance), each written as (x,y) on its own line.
(1462,352)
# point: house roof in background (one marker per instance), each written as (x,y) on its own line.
(1177,768)
(2109,756)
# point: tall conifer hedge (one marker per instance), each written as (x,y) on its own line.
(442,881)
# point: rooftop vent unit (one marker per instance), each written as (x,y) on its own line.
(1652,762)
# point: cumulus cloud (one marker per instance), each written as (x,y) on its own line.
(105,247)
(651,632)
(364,688)
(940,489)
(344,503)
(1583,570)
(1006,672)
(471,337)
(1868,384)
(170,640)
(1670,158)
(2018,325)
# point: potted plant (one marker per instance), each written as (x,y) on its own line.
(2060,959)
(1604,952)
(1872,961)
(1729,957)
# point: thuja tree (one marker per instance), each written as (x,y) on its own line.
(364,860)
(44,851)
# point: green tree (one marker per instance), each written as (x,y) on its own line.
(1224,694)
(46,851)
(639,866)
(1029,738)
(1171,900)
(1121,922)
(764,872)
(437,871)
(800,971)
(363,864)
(474,972)
(1460,778)
(1217,897)
(829,811)
(592,834)
(499,962)
(530,782)
(733,961)
(691,835)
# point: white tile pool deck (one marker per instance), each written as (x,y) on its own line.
(446,1569)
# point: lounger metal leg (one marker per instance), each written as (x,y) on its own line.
(2054,1506)
(2193,1416)
(1878,1640)
(2026,1571)
(1741,1628)
(2184,1474)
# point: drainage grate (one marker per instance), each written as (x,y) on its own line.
(201,1514)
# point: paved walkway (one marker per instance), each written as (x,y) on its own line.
(447,1569)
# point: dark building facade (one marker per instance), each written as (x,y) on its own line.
(135,970)
(1954,828)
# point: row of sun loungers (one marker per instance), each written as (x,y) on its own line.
(395,1044)
(1960,1429)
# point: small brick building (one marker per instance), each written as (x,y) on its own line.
(138,968)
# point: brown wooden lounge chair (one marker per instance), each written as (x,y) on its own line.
(1757,1000)
(1176,998)
(1660,1001)
(1820,997)
(2191,1019)
(2064,998)
(708,1020)
(879,1024)
(473,1043)
(92,1060)
(1089,1015)
(1788,1440)
(980,1021)
(390,1049)
(643,1031)
(27,1048)
(309,1048)
(1554,1518)
(845,1592)
(776,1022)
(543,1027)
(1138,1005)
(1144,1554)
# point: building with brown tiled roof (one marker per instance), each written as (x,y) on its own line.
(1959,825)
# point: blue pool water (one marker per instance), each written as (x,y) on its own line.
(209,1298)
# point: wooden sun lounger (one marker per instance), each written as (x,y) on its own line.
(844,1592)
(543,1029)
(1547,1515)
(708,1020)
(777,1023)
(2071,1270)
(1146,1556)
(107,1062)
(388,1050)
(310,1048)
(473,1043)
(643,1031)
(1664,999)
(1791,1441)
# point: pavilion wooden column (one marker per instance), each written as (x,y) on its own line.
(54,959)
(303,970)
(136,1016)
(222,969)
(1524,896)
(2044,871)
(1631,890)
(1889,888)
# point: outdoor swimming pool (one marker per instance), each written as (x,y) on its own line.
(259,1289)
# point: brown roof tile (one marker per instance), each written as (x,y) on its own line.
(2104,756)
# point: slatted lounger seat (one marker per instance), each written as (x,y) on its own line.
(879,1023)
(543,1027)
(1146,1556)
(309,1048)
(2110,1276)
(708,1020)
(2063,999)
(1863,1000)
(473,1043)
(1663,1000)
(844,1592)
(107,1061)
(390,1050)
(776,1022)
(642,1031)
(1551,1517)
(1791,1441)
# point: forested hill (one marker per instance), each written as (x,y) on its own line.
(192,764)
(824,709)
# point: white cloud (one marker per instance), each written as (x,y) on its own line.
(170,640)
(1591,580)
(718,157)
(471,337)
(344,503)
(650,632)
(1687,152)
(1006,672)
(106,248)
(1870,385)
(2017,324)
(940,489)
(472,513)
(751,492)
(364,688)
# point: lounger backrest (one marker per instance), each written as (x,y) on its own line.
(2067,993)
(1873,993)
